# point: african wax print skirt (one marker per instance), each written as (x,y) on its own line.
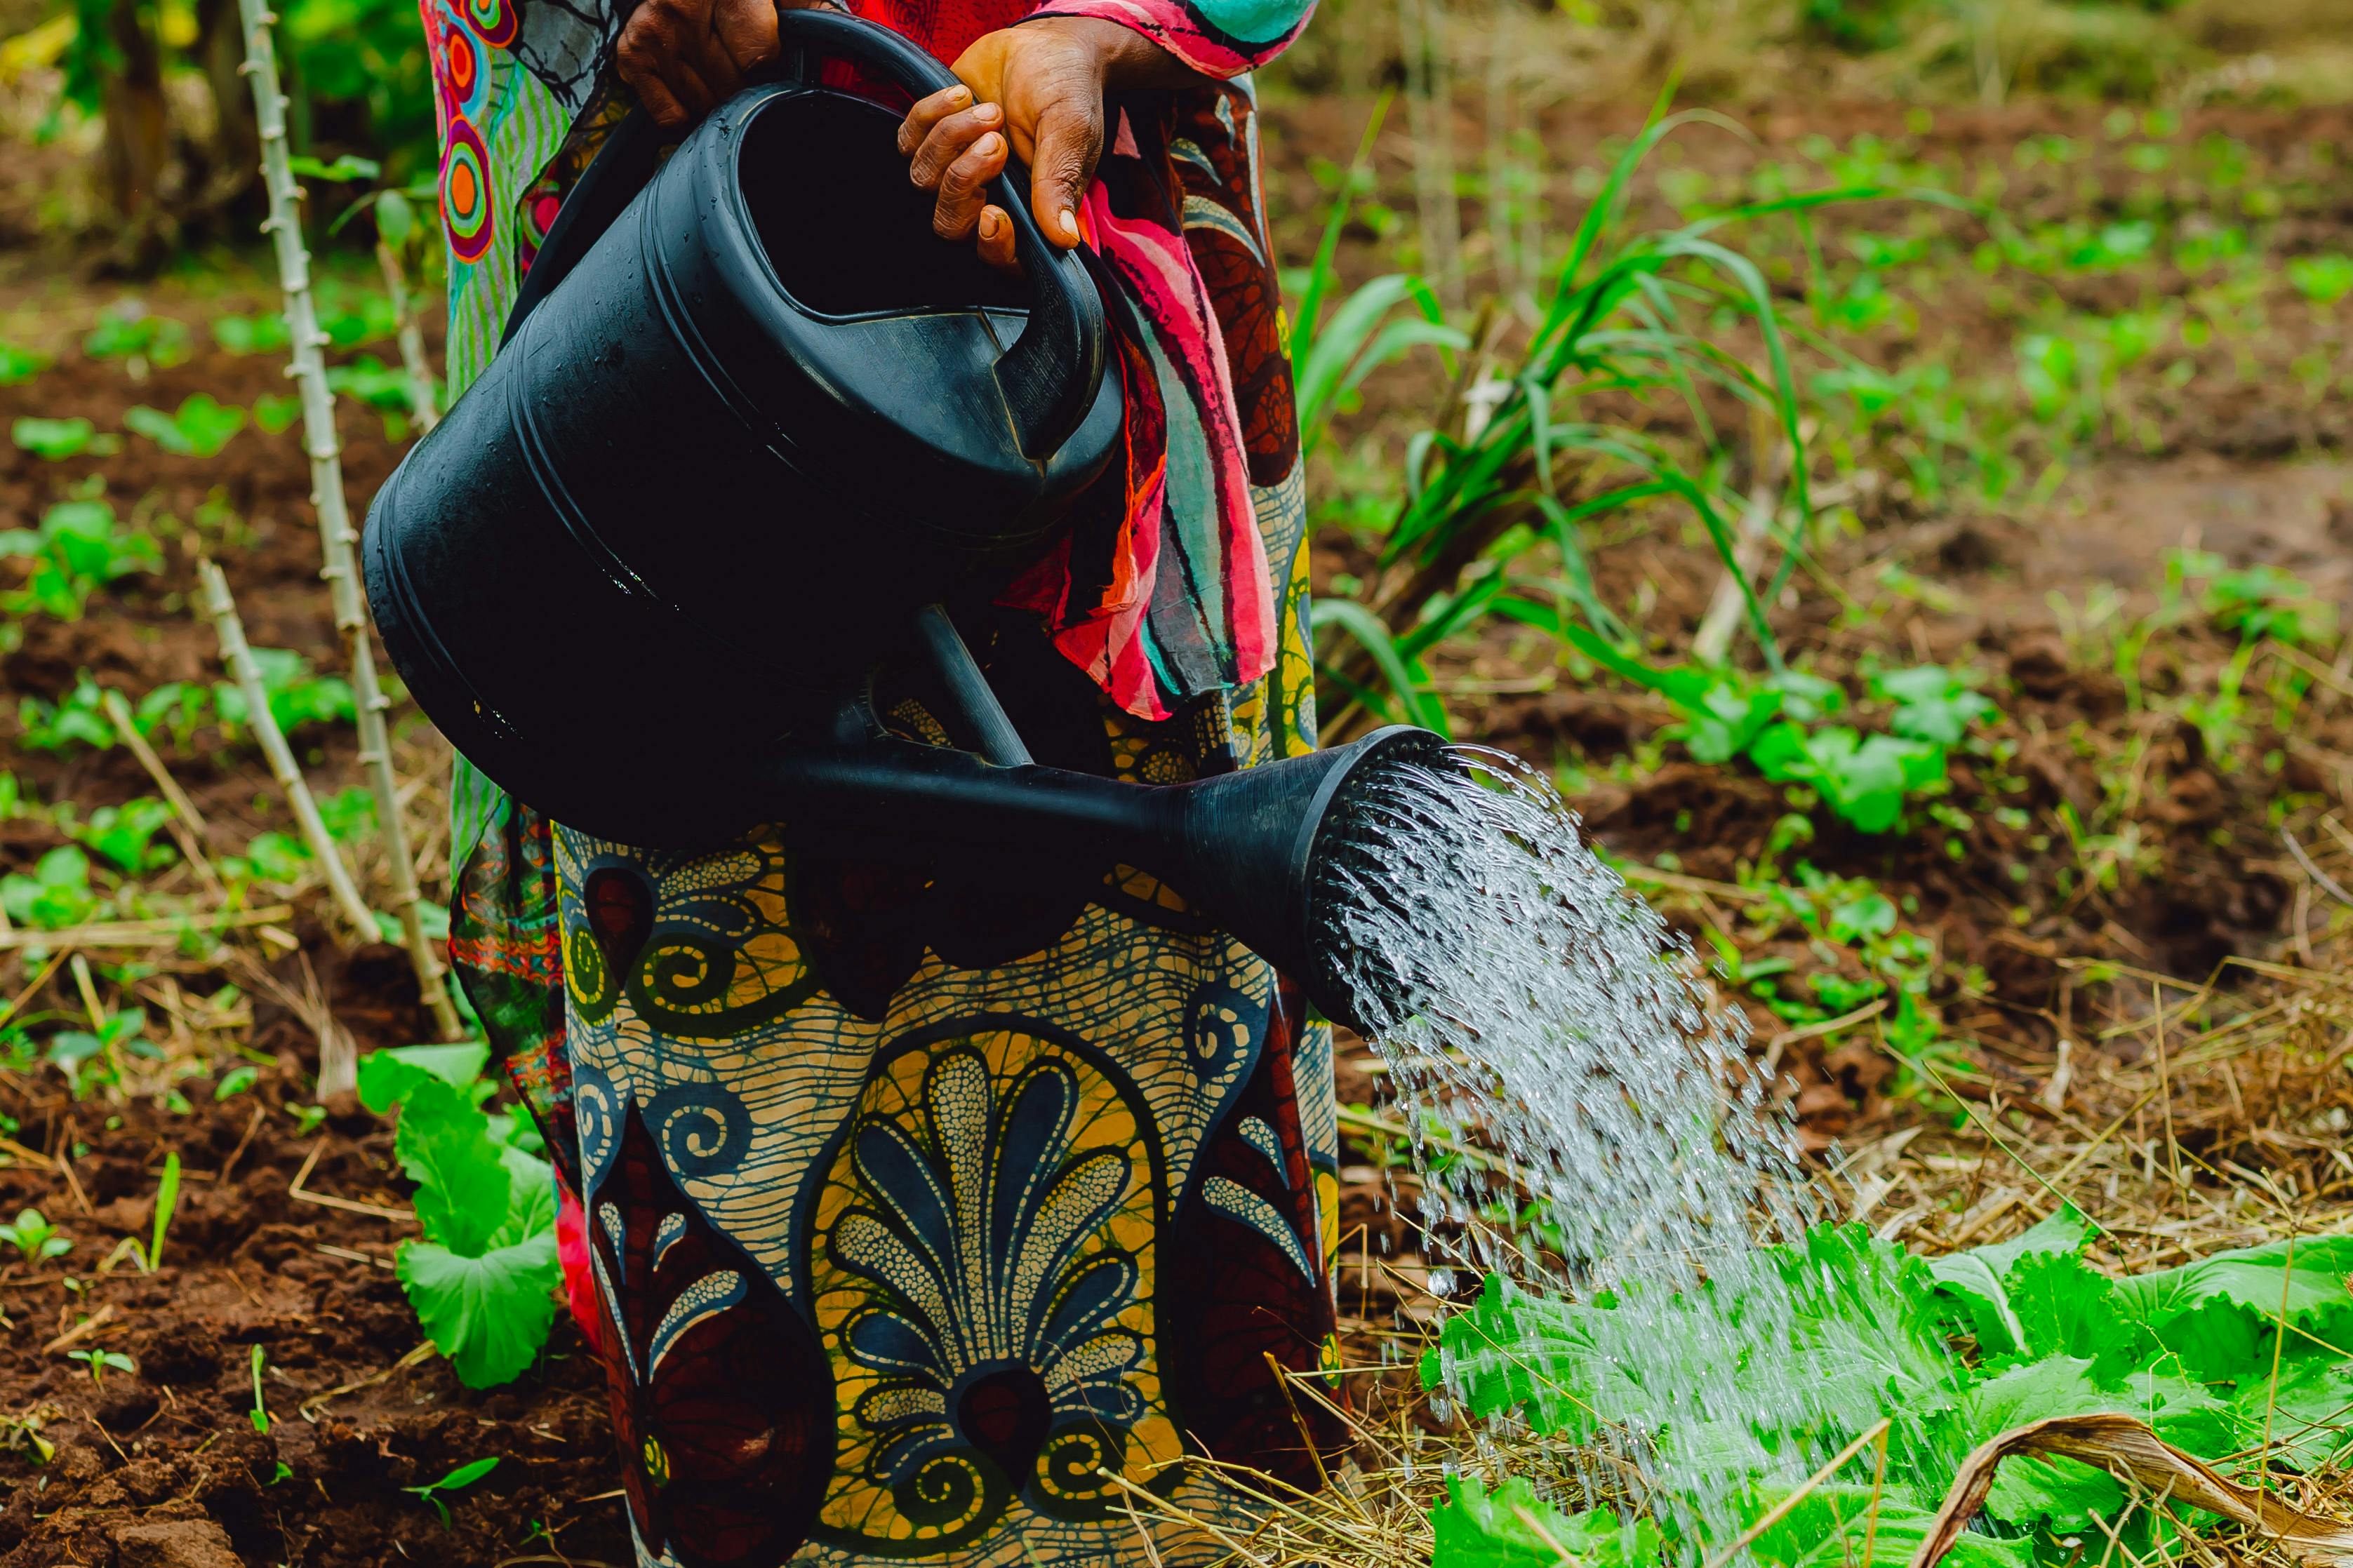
(963,1219)
(945,1221)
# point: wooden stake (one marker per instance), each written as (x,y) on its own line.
(237,654)
(187,822)
(336,536)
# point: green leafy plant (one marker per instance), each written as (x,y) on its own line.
(80,548)
(1512,1527)
(298,695)
(19,365)
(350,318)
(1774,721)
(35,1239)
(259,1413)
(1864,779)
(101,1363)
(2322,279)
(200,429)
(1932,704)
(1537,450)
(72,1050)
(22,1431)
(56,894)
(458,1480)
(128,332)
(57,439)
(125,833)
(1851,925)
(264,334)
(2229,1354)
(269,856)
(2263,601)
(482,1280)
(77,719)
(276,411)
(372,381)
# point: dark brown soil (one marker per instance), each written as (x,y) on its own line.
(247,1265)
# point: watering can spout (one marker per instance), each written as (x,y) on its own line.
(1248,849)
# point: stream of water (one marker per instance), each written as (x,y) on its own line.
(1588,1119)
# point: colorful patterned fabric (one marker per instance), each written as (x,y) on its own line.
(898,1209)
(913,1207)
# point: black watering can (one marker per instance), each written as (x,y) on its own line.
(751,423)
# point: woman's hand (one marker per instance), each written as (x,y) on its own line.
(1035,91)
(685,58)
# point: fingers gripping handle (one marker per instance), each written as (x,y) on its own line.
(1052,373)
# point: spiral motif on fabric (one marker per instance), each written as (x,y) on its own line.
(1071,1470)
(466,200)
(700,1129)
(1219,1019)
(689,972)
(590,979)
(596,1118)
(945,1496)
(496,22)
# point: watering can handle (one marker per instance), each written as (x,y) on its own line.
(1052,373)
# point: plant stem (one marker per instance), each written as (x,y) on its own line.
(1768,464)
(336,536)
(237,654)
(421,403)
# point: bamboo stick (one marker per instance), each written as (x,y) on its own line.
(336,537)
(237,654)
(338,1064)
(187,822)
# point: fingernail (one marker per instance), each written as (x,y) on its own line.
(986,112)
(988,226)
(959,95)
(1069,221)
(989,145)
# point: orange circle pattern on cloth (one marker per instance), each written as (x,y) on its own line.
(461,38)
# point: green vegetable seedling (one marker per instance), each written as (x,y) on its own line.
(260,1412)
(101,1363)
(35,1239)
(458,1480)
(482,1277)
(167,1198)
(200,429)
(56,439)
